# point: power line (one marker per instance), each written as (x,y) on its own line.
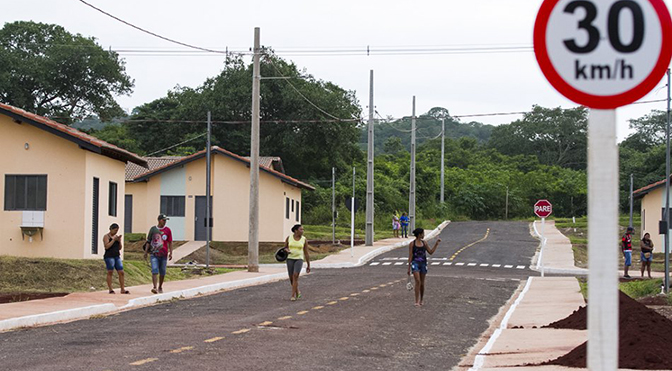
(178,144)
(241,122)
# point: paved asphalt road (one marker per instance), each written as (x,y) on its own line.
(361,318)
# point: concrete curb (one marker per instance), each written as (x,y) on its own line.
(61,315)
(565,271)
(188,293)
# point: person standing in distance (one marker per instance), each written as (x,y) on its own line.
(404,225)
(160,238)
(646,256)
(112,257)
(626,245)
(417,262)
(297,247)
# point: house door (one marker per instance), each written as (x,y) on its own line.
(128,214)
(200,231)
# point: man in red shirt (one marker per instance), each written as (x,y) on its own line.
(626,245)
(160,239)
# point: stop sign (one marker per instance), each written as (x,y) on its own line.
(543,208)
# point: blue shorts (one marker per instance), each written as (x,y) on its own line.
(113,263)
(627,254)
(644,259)
(159,264)
(419,267)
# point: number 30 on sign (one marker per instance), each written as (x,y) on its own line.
(603,53)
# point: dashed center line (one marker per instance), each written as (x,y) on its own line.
(242,331)
(302,312)
(180,350)
(354,294)
(284,318)
(318,307)
(332,303)
(365,291)
(266,323)
(143,361)
(212,340)
(344,298)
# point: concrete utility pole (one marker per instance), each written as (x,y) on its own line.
(443,151)
(253,237)
(369,171)
(208,207)
(506,207)
(333,205)
(411,195)
(631,184)
(667,191)
(352,215)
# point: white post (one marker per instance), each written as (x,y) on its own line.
(543,245)
(602,241)
(352,215)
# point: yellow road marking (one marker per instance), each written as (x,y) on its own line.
(180,350)
(366,291)
(318,307)
(390,283)
(487,232)
(332,302)
(212,340)
(383,285)
(302,312)
(241,331)
(354,294)
(266,323)
(284,318)
(344,298)
(143,361)
(374,288)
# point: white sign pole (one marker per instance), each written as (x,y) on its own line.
(543,245)
(352,227)
(602,241)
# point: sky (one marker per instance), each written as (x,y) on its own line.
(464,83)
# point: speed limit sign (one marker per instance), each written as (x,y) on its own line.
(603,53)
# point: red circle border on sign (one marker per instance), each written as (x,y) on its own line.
(602,101)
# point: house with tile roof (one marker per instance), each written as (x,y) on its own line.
(176,186)
(652,211)
(61,187)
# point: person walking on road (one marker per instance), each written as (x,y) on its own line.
(417,262)
(112,257)
(160,239)
(404,225)
(297,247)
(646,245)
(626,245)
(396,225)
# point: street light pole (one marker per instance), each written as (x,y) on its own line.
(443,152)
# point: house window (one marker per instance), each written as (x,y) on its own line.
(172,205)
(297,211)
(286,207)
(112,203)
(94,214)
(26,192)
(292,205)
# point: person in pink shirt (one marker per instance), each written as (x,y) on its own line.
(160,240)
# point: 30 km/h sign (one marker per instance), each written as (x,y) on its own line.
(603,53)
(543,208)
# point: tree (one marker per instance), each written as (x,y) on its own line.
(308,149)
(650,128)
(53,73)
(556,136)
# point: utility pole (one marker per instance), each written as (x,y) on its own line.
(411,196)
(253,236)
(208,207)
(631,184)
(667,191)
(443,151)
(506,207)
(369,171)
(333,205)
(352,215)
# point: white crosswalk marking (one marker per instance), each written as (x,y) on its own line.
(436,263)
(398,263)
(459,263)
(471,265)
(520,267)
(448,263)
(388,263)
(484,265)
(375,263)
(496,265)
(508,266)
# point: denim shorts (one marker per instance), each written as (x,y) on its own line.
(644,259)
(159,264)
(113,263)
(627,254)
(419,267)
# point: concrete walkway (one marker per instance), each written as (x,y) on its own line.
(86,304)
(185,250)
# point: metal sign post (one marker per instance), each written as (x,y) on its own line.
(542,209)
(603,54)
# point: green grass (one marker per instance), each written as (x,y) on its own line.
(134,237)
(641,288)
(18,274)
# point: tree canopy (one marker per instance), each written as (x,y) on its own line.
(53,73)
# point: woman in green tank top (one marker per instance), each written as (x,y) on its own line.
(297,247)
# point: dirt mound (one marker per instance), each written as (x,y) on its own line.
(578,320)
(654,300)
(645,338)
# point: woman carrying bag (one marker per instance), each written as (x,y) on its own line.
(417,262)
(297,247)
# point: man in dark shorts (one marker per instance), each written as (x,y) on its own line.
(626,245)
